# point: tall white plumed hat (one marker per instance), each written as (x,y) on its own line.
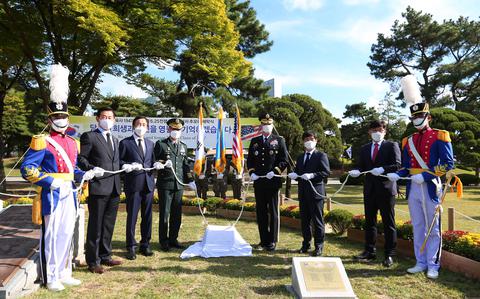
(58,90)
(411,93)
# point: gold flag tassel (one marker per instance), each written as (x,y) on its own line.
(457,183)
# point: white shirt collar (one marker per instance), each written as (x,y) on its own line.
(310,152)
(136,138)
(379,143)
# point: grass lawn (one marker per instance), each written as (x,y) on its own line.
(265,275)
(8,163)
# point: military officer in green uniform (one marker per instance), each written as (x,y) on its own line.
(267,157)
(173,153)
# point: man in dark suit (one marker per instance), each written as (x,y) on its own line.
(173,153)
(379,157)
(311,169)
(136,152)
(267,157)
(99,151)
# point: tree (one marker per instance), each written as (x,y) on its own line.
(126,106)
(390,113)
(122,38)
(16,132)
(356,132)
(445,55)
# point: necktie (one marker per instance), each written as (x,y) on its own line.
(140,147)
(375,152)
(109,141)
(307,158)
(265,140)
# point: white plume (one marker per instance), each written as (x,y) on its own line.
(411,90)
(59,83)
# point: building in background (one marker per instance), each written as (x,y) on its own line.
(275,86)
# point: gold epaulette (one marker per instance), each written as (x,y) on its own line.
(38,142)
(444,136)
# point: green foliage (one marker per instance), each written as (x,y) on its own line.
(340,220)
(16,132)
(405,231)
(126,106)
(462,243)
(212,203)
(358,222)
(193,202)
(469,179)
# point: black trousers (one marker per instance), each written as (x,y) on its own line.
(267,214)
(102,214)
(386,205)
(135,201)
(311,213)
(170,215)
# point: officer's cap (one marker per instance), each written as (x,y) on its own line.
(265,119)
(175,123)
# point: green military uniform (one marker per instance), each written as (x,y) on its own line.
(170,192)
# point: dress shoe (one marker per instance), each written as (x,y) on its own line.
(146,251)
(111,262)
(416,269)
(366,256)
(304,249)
(317,252)
(55,286)
(175,244)
(70,281)
(165,247)
(270,247)
(96,269)
(388,262)
(131,254)
(432,274)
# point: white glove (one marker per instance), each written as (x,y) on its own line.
(168,164)
(307,176)
(192,185)
(158,165)
(293,175)
(254,177)
(377,171)
(201,177)
(393,177)
(219,176)
(418,179)
(127,167)
(88,175)
(354,173)
(56,183)
(270,175)
(98,171)
(137,166)
(238,176)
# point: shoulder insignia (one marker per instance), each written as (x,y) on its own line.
(38,142)
(444,136)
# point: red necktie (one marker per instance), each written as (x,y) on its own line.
(375,152)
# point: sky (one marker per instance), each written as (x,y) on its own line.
(321,47)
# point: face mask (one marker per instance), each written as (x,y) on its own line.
(267,129)
(420,123)
(140,131)
(106,124)
(310,145)
(60,125)
(175,134)
(377,136)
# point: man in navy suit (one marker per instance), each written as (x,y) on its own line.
(379,157)
(136,152)
(311,170)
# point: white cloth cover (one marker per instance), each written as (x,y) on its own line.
(219,241)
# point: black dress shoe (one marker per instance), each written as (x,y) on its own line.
(317,252)
(270,247)
(366,256)
(131,255)
(165,247)
(175,244)
(304,249)
(146,251)
(388,262)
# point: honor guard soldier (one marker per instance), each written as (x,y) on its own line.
(202,180)
(267,157)
(51,164)
(426,156)
(173,153)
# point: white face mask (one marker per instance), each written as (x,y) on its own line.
(420,123)
(377,136)
(175,134)
(106,124)
(267,129)
(140,131)
(60,125)
(310,145)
